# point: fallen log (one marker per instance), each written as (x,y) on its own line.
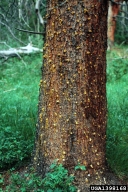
(29,49)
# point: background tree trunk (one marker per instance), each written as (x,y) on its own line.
(114,8)
(72,102)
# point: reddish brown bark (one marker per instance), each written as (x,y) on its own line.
(72,103)
(112,14)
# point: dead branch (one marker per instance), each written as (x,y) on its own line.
(37,8)
(32,32)
(29,49)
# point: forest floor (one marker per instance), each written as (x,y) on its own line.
(107,178)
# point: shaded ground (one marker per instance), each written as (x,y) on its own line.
(107,178)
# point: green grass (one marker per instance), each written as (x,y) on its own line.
(117,96)
(19,89)
(19,80)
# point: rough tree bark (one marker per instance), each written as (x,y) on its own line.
(72,103)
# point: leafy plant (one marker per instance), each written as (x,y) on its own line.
(56,180)
(117,66)
(13,148)
(80,167)
(1,181)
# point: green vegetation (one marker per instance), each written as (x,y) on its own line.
(56,180)
(13,148)
(19,89)
(19,80)
(117,96)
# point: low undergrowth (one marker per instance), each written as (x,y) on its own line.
(56,180)
(19,80)
(13,148)
(117,96)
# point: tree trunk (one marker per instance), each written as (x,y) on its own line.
(72,103)
(113,11)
